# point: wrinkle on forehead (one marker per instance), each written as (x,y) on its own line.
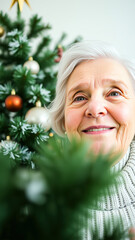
(96,84)
(99,72)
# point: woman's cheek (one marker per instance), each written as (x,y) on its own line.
(73,120)
(123,114)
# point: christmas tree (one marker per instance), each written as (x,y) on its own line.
(44,191)
(27,83)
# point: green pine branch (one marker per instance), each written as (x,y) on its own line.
(36,27)
(47,59)
(18,44)
(5,21)
(5,90)
(22,79)
(3,44)
(25,133)
(5,74)
(60,40)
(3,124)
(38,92)
(51,198)
(19,24)
(43,44)
(20,156)
(83,168)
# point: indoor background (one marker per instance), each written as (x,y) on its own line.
(110,21)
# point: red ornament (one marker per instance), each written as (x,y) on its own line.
(59,53)
(13,102)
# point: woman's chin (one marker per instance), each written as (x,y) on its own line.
(100,148)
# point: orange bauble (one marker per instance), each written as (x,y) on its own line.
(13,103)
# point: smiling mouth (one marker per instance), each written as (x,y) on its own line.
(97,130)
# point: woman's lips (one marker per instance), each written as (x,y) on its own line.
(98,129)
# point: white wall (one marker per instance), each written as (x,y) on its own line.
(108,20)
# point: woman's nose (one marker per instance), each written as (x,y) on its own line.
(96,108)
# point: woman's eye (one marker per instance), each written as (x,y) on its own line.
(114,94)
(79,98)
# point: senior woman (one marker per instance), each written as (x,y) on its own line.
(95,100)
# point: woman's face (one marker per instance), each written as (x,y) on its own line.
(100,105)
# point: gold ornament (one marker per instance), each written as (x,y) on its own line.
(50,134)
(2,31)
(32,65)
(4,142)
(20,2)
(8,138)
(39,115)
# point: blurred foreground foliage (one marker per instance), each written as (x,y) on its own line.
(50,200)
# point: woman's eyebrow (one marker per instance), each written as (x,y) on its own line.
(85,86)
(113,82)
(82,86)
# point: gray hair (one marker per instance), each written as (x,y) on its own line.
(77,53)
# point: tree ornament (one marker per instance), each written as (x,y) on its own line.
(8,138)
(5,142)
(13,102)
(39,115)
(20,3)
(32,65)
(59,53)
(50,134)
(2,31)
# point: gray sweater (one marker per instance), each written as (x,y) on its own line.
(119,206)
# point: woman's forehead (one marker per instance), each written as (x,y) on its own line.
(101,71)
